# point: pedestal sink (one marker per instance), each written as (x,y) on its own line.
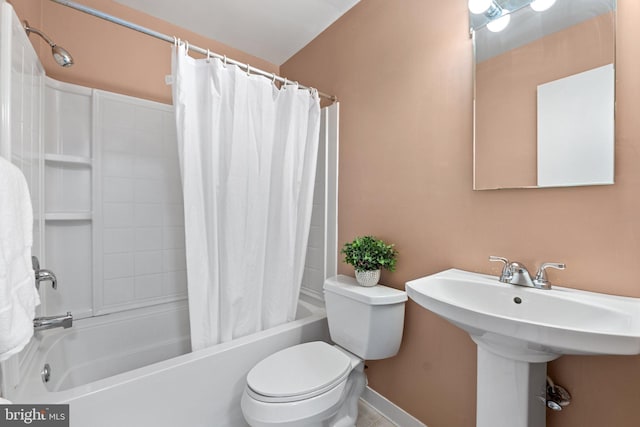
(519,329)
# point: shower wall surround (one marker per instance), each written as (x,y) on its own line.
(139,221)
(21,101)
(113,202)
(321,258)
(114,216)
(21,93)
(68,226)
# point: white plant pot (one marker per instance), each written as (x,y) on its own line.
(368,278)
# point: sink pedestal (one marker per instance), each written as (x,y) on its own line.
(511,393)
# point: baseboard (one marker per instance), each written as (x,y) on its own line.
(394,413)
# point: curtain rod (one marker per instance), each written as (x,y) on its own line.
(172,40)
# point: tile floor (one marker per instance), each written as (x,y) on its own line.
(369,417)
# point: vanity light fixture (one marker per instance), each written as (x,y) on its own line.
(498,17)
(479,6)
(541,5)
(488,8)
(498,24)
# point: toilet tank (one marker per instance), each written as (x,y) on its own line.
(366,321)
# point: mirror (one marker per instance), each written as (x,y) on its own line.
(544,91)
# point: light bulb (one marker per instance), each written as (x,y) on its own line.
(541,5)
(497,25)
(479,6)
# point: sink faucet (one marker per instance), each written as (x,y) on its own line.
(50,322)
(516,273)
(520,275)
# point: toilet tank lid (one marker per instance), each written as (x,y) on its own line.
(374,295)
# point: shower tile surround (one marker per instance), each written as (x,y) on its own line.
(314,264)
(21,141)
(142,214)
(113,202)
(321,258)
(68,218)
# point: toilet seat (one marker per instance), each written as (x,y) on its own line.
(298,373)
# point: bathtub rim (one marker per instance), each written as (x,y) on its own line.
(35,391)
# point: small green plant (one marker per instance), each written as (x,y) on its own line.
(368,253)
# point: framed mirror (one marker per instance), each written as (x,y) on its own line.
(544,92)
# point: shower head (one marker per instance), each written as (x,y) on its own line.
(60,54)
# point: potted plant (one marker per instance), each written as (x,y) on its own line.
(368,255)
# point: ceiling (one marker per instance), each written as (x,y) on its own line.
(273,30)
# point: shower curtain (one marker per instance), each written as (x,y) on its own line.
(248,154)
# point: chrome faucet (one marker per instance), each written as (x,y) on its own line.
(43,274)
(520,275)
(50,322)
(516,273)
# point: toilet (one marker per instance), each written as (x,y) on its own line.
(319,384)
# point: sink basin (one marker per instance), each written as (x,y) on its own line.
(518,329)
(531,324)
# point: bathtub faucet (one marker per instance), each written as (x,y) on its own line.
(50,322)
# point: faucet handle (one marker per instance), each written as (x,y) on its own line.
(46,275)
(43,274)
(498,258)
(541,280)
(506,270)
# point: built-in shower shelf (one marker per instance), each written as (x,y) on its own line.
(67,159)
(67,216)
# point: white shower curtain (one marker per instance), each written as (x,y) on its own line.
(248,154)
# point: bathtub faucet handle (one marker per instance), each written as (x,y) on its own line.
(42,274)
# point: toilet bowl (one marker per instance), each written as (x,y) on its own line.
(303,385)
(319,384)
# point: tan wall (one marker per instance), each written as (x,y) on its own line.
(111,57)
(403,74)
(506,98)
(402,70)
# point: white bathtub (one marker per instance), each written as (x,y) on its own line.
(101,368)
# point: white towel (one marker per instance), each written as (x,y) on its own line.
(18,295)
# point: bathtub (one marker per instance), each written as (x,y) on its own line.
(111,371)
